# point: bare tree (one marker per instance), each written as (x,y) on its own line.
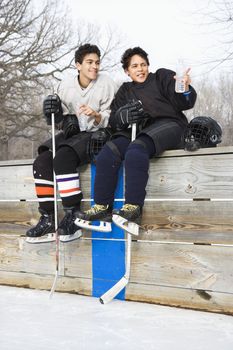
(217,19)
(216,100)
(36,46)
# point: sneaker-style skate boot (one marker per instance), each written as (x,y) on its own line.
(101,213)
(44,231)
(128,218)
(67,230)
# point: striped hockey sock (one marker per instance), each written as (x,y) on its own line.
(69,188)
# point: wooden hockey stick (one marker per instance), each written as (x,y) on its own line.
(55,211)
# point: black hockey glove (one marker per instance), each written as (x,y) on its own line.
(70,125)
(52,104)
(130,113)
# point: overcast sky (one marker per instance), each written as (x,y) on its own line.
(166,29)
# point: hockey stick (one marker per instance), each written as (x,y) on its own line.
(55,212)
(122,283)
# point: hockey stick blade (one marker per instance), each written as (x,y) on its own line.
(116,289)
(102,227)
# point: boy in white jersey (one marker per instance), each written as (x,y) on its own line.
(81,107)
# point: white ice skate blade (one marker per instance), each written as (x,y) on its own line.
(51,237)
(70,238)
(102,227)
(128,226)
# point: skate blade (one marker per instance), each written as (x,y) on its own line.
(102,227)
(128,226)
(51,237)
(70,238)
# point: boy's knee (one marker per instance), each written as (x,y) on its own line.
(109,155)
(43,160)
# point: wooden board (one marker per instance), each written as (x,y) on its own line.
(181,297)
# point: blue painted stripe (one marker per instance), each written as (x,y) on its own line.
(108,258)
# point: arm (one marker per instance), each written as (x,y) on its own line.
(119,101)
(180,101)
(105,94)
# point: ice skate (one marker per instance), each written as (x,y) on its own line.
(44,231)
(67,230)
(101,213)
(128,218)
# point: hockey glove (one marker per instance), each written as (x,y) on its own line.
(70,126)
(130,113)
(52,104)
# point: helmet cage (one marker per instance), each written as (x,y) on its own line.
(97,141)
(95,146)
(202,132)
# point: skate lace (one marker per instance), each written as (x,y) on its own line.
(96,209)
(129,207)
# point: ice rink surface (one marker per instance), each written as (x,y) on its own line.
(30,320)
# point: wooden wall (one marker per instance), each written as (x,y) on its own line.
(182,257)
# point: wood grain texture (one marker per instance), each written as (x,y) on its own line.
(181,297)
(19,256)
(39,281)
(179,265)
(204,176)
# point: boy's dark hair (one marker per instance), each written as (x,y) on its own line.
(84,50)
(127,55)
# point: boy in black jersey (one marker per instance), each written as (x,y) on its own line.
(151,102)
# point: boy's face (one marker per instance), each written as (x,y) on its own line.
(89,67)
(138,69)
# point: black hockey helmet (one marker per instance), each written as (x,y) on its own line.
(202,132)
(97,141)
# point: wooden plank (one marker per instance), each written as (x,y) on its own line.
(78,259)
(172,153)
(207,222)
(19,256)
(201,151)
(36,281)
(175,174)
(184,266)
(17,217)
(17,182)
(181,297)
(208,176)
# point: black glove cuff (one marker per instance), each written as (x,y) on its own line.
(70,125)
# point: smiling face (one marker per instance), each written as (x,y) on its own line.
(138,69)
(88,69)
